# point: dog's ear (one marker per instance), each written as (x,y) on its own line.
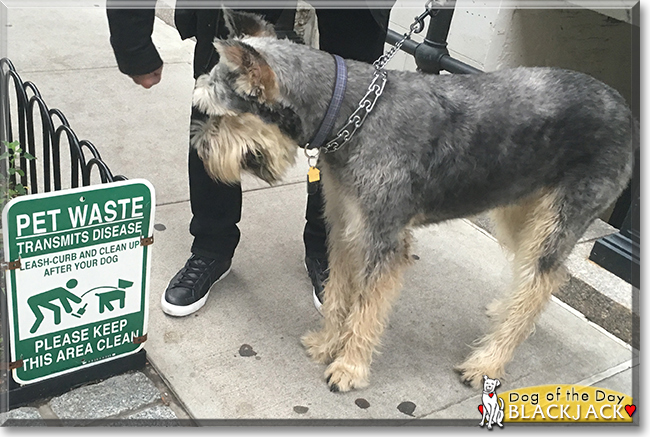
(256,78)
(241,23)
(485,377)
(497,383)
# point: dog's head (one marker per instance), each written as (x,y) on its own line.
(490,385)
(247,127)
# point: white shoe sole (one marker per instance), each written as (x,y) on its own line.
(317,304)
(186,310)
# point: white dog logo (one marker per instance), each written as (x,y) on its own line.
(491,409)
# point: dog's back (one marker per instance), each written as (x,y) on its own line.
(470,143)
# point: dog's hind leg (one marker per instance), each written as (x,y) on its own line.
(546,228)
(508,222)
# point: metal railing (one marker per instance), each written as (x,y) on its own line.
(431,55)
(21,107)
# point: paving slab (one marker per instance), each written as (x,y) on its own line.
(136,398)
(239,357)
(158,415)
(135,136)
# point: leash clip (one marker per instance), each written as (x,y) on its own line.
(313,175)
(311,159)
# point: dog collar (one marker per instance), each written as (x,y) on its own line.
(335,105)
(367,103)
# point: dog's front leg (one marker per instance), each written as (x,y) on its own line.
(345,262)
(370,301)
(365,273)
(361,333)
(323,346)
(492,417)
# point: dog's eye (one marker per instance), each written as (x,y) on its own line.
(256,93)
(254,159)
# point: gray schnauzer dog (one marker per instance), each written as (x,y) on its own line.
(545,149)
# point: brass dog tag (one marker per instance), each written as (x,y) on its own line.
(313,175)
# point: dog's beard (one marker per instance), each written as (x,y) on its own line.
(229,144)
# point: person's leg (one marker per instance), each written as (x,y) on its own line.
(216,210)
(357,34)
(216,207)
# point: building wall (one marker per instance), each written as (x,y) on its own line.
(490,38)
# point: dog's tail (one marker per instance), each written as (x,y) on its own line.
(502,405)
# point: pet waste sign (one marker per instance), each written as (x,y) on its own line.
(77,276)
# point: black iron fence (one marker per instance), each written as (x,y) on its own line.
(44,133)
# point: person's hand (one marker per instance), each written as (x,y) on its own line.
(148,80)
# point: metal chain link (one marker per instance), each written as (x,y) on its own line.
(380,63)
(376,87)
(357,118)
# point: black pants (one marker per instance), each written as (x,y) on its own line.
(357,34)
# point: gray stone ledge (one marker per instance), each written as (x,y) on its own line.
(114,396)
(24,416)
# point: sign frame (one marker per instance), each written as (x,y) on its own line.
(63,242)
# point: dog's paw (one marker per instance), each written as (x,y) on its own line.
(317,346)
(494,310)
(472,375)
(342,377)
(469,378)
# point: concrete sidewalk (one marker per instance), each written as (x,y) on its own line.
(238,360)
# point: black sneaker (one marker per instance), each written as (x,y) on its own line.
(318,270)
(188,291)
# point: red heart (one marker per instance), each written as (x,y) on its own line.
(630,409)
(490,394)
(480,409)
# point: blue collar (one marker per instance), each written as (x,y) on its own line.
(335,105)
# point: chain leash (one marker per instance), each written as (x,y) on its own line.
(376,87)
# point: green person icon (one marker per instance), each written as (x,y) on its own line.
(45,299)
